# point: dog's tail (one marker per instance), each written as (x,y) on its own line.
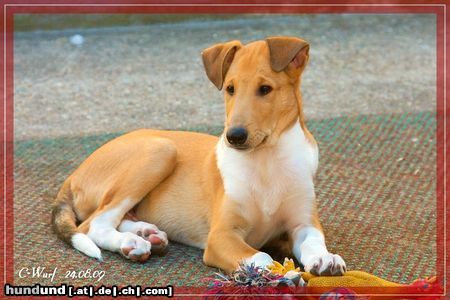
(65,226)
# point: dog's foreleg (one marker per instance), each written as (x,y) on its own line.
(226,246)
(226,249)
(310,249)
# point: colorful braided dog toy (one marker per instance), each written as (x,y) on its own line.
(287,276)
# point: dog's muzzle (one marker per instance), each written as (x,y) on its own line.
(237,137)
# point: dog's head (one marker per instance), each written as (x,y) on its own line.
(261,83)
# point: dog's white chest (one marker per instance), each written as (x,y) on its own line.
(269,183)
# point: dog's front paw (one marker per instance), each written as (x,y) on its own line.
(328,264)
(260,260)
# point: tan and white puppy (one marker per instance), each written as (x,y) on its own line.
(229,195)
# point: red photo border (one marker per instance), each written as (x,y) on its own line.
(438,8)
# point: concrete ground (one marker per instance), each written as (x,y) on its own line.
(124,78)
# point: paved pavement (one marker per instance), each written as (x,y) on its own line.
(124,78)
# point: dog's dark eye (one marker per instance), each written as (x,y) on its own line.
(264,90)
(230,90)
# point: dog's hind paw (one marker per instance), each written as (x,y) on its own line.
(148,232)
(326,265)
(134,247)
(157,238)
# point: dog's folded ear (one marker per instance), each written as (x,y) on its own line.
(287,52)
(217,60)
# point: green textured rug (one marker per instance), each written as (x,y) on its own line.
(375,185)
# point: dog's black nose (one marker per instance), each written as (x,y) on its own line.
(237,136)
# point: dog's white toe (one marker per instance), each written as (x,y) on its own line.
(328,264)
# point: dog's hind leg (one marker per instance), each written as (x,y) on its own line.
(138,174)
(102,230)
